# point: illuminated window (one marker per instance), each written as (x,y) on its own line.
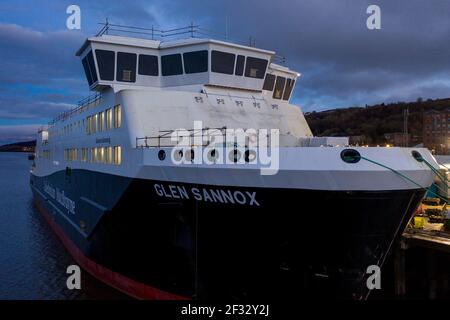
(94,123)
(117,155)
(101,154)
(101,121)
(117,116)
(109,155)
(279,87)
(94,155)
(109,118)
(84,155)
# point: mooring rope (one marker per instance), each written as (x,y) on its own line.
(407,178)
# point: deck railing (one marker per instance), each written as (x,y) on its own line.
(153,33)
(165,138)
(191,31)
(82,105)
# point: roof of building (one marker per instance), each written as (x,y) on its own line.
(447,110)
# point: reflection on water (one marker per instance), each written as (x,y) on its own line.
(33,261)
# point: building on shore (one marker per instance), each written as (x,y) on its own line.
(436,131)
(398,139)
(358,140)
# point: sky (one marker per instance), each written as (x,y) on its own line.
(342,63)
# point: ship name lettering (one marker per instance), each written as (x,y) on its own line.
(207,194)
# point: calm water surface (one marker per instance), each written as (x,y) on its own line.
(33,261)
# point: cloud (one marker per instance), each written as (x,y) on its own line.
(13,133)
(37,57)
(40,76)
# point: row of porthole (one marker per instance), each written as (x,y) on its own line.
(347,155)
(353,156)
(234,155)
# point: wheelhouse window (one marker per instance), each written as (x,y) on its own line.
(288,88)
(89,68)
(222,62)
(91,64)
(126,67)
(240,62)
(196,61)
(105,62)
(148,65)
(87,71)
(279,86)
(255,67)
(171,64)
(269,82)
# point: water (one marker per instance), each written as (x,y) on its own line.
(33,261)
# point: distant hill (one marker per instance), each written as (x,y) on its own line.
(26,146)
(373,121)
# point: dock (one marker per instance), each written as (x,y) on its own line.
(421,261)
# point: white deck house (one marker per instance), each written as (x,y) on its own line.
(115,61)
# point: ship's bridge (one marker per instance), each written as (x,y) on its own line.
(115,61)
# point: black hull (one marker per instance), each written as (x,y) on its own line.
(275,243)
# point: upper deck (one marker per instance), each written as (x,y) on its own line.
(116,61)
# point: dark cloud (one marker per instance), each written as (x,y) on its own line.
(341,61)
(38,57)
(13,133)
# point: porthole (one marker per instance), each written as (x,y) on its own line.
(213,155)
(178,155)
(350,156)
(250,155)
(416,155)
(190,154)
(161,155)
(234,155)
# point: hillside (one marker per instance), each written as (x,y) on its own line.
(27,146)
(373,121)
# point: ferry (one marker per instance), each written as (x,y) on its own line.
(276,214)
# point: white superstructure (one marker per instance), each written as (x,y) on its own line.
(147,87)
